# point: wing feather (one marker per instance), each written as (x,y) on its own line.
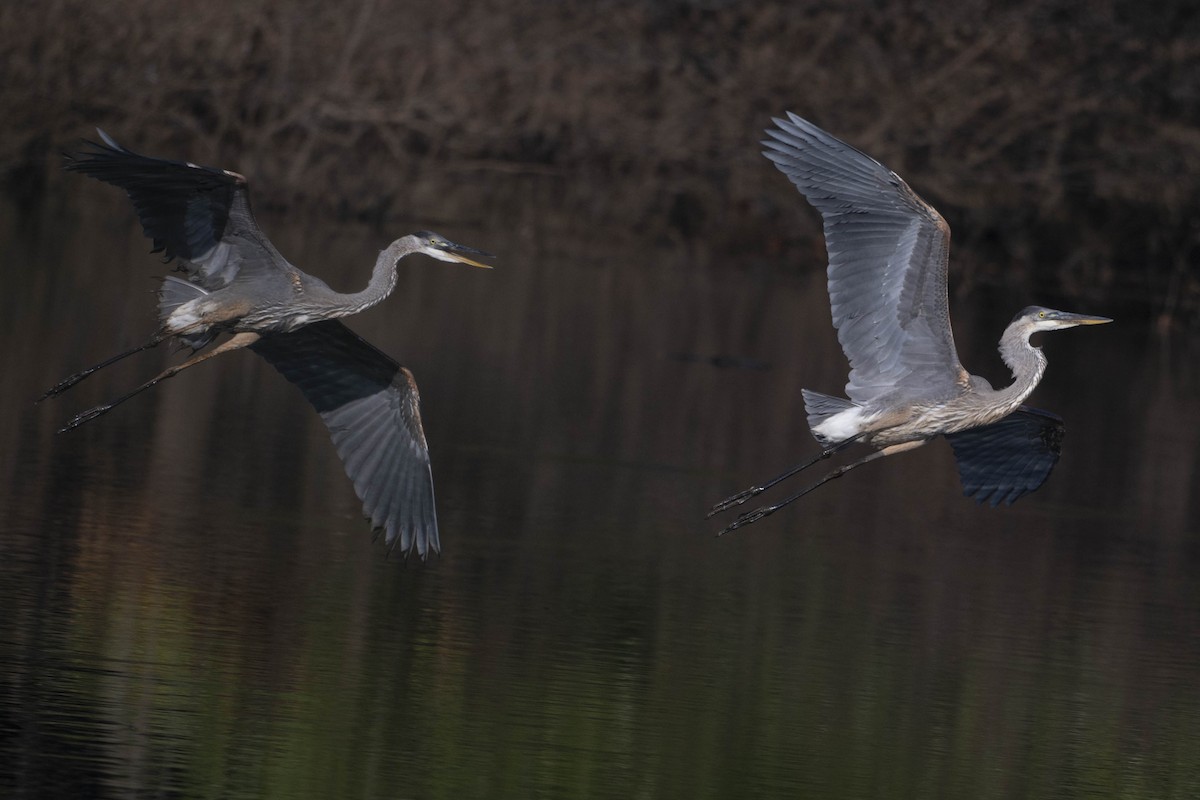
(371,406)
(888,254)
(198,216)
(1001,462)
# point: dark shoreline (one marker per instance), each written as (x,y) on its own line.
(1060,143)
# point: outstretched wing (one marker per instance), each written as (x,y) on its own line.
(370,404)
(1003,461)
(888,254)
(199,216)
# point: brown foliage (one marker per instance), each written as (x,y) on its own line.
(1054,134)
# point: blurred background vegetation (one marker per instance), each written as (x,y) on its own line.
(1060,139)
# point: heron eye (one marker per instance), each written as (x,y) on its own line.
(1042,314)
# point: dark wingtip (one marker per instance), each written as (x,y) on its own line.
(392,546)
(77,161)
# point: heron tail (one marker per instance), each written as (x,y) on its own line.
(821,407)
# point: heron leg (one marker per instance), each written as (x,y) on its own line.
(753,491)
(758,513)
(71,380)
(238,341)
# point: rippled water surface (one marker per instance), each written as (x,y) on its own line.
(192,606)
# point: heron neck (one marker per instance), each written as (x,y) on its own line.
(1026,362)
(383,277)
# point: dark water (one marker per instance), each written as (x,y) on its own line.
(192,606)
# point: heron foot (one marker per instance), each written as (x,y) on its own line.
(64,384)
(747,518)
(736,500)
(85,416)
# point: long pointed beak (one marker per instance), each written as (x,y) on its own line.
(462,253)
(1083,319)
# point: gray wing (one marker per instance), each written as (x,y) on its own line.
(370,404)
(1003,461)
(199,216)
(888,254)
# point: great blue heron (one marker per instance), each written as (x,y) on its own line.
(888,253)
(238,283)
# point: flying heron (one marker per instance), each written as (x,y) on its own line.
(238,283)
(888,256)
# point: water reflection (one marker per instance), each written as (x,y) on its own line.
(192,605)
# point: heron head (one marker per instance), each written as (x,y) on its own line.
(1039,318)
(441,248)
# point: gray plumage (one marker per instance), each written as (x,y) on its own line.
(371,407)
(888,257)
(888,260)
(236,282)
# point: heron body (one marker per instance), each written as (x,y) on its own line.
(283,306)
(235,282)
(906,416)
(888,261)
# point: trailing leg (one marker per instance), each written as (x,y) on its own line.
(757,514)
(71,380)
(741,497)
(237,342)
